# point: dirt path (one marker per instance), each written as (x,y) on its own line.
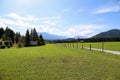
(107,51)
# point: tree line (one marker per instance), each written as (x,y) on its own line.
(31,38)
(86,40)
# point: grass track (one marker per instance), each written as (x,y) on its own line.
(52,62)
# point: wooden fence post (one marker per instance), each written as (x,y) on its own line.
(73,45)
(90,47)
(82,45)
(77,44)
(65,44)
(102,46)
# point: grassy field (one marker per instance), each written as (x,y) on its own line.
(52,62)
(107,45)
(115,46)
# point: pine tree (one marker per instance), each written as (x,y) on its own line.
(17,37)
(1,32)
(35,35)
(41,40)
(31,35)
(9,34)
(27,38)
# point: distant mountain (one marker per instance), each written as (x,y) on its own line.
(69,39)
(114,33)
(81,37)
(48,36)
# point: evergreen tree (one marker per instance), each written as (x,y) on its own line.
(42,42)
(1,32)
(35,35)
(22,39)
(9,34)
(3,37)
(31,35)
(27,38)
(17,37)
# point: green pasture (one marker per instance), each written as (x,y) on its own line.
(54,62)
(115,46)
(107,45)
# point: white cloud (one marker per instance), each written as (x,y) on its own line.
(18,17)
(2,24)
(20,24)
(49,25)
(51,18)
(77,30)
(52,21)
(16,23)
(83,30)
(107,9)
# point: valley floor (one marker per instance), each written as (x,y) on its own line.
(53,62)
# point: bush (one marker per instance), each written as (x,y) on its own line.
(8,46)
(11,44)
(0,42)
(8,43)
(2,46)
(19,45)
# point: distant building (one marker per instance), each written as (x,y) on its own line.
(33,43)
(81,41)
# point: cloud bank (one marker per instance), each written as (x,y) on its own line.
(46,24)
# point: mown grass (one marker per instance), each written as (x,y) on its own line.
(52,62)
(107,45)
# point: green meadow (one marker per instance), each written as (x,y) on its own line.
(53,62)
(107,45)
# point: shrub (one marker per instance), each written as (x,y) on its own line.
(8,44)
(2,46)
(0,42)
(11,44)
(20,44)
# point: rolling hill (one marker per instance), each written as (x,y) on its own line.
(114,33)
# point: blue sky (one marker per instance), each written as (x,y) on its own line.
(61,17)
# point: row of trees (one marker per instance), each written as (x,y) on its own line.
(100,39)
(32,37)
(7,34)
(86,40)
(27,40)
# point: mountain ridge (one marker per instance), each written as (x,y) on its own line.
(48,36)
(114,33)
